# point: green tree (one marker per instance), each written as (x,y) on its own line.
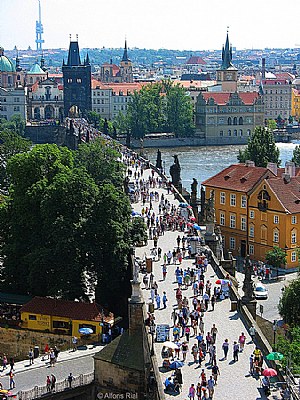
(272,124)
(276,257)
(11,143)
(290,348)
(296,156)
(138,232)
(16,124)
(261,148)
(179,111)
(289,305)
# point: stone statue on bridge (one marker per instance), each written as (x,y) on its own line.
(175,170)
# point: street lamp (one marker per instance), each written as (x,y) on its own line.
(274,333)
(164,167)
(152,331)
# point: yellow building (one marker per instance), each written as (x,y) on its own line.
(295,112)
(63,316)
(258,208)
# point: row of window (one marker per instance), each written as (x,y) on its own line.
(235,132)
(281,91)
(233,199)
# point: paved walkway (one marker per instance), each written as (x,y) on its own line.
(235,382)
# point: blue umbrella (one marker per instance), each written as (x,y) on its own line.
(197,227)
(183,205)
(85,331)
(176,364)
(130,190)
(134,213)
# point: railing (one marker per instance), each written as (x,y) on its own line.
(39,391)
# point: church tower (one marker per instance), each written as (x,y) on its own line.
(77,83)
(126,67)
(228,74)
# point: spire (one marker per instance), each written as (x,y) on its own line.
(87,59)
(18,67)
(43,62)
(125,55)
(226,54)
(73,56)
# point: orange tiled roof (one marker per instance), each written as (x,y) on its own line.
(64,308)
(285,75)
(238,177)
(118,87)
(288,193)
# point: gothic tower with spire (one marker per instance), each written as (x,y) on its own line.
(228,74)
(126,66)
(77,83)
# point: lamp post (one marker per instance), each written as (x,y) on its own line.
(164,167)
(152,330)
(274,333)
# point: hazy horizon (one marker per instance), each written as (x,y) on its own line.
(192,26)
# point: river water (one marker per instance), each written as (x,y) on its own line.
(203,162)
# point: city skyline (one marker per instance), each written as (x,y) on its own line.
(169,25)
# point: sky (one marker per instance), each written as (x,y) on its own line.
(168,24)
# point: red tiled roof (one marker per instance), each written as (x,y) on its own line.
(238,177)
(285,75)
(64,308)
(288,193)
(222,98)
(219,98)
(195,60)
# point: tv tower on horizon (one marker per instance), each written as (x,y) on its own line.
(39,30)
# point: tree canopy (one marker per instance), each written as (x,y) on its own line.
(159,107)
(261,148)
(66,224)
(296,156)
(289,305)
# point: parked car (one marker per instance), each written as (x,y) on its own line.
(260,291)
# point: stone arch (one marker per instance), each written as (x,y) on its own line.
(49,112)
(37,113)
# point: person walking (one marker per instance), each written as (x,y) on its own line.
(53,382)
(195,352)
(30,356)
(164,299)
(235,351)
(192,392)
(211,387)
(184,349)
(214,332)
(252,332)
(215,372)
(242,340)
(48,383)
(70,379)
(74,341)
(12,363)
(4,362)
(12,383)
(225,347)
(157,299)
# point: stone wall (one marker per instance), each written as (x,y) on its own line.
(16,342)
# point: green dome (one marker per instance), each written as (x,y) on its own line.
(36,69)
(6,65)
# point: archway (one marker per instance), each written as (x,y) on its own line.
(37,113)
(49,112)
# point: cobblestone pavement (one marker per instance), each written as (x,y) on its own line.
(235,382)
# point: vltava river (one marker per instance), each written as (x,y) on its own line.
(204,162)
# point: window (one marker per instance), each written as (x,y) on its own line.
(221,133)
(251,249)
(235,132)
(232,243)
(61,324)
(275,236)
(232,220)
(243,201)
(235,121)
(229,121)
(32,317)
(232,200)
(222,218)
(293,256)
(276,219)
(251,214)
(241,122)
(251,231)
(243,223)
(229,132)
(294,237)
(294,219)
(222,198)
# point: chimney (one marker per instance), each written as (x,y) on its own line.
(250,163)
(272,167)
(263,68)
(290,168)
(286,178)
